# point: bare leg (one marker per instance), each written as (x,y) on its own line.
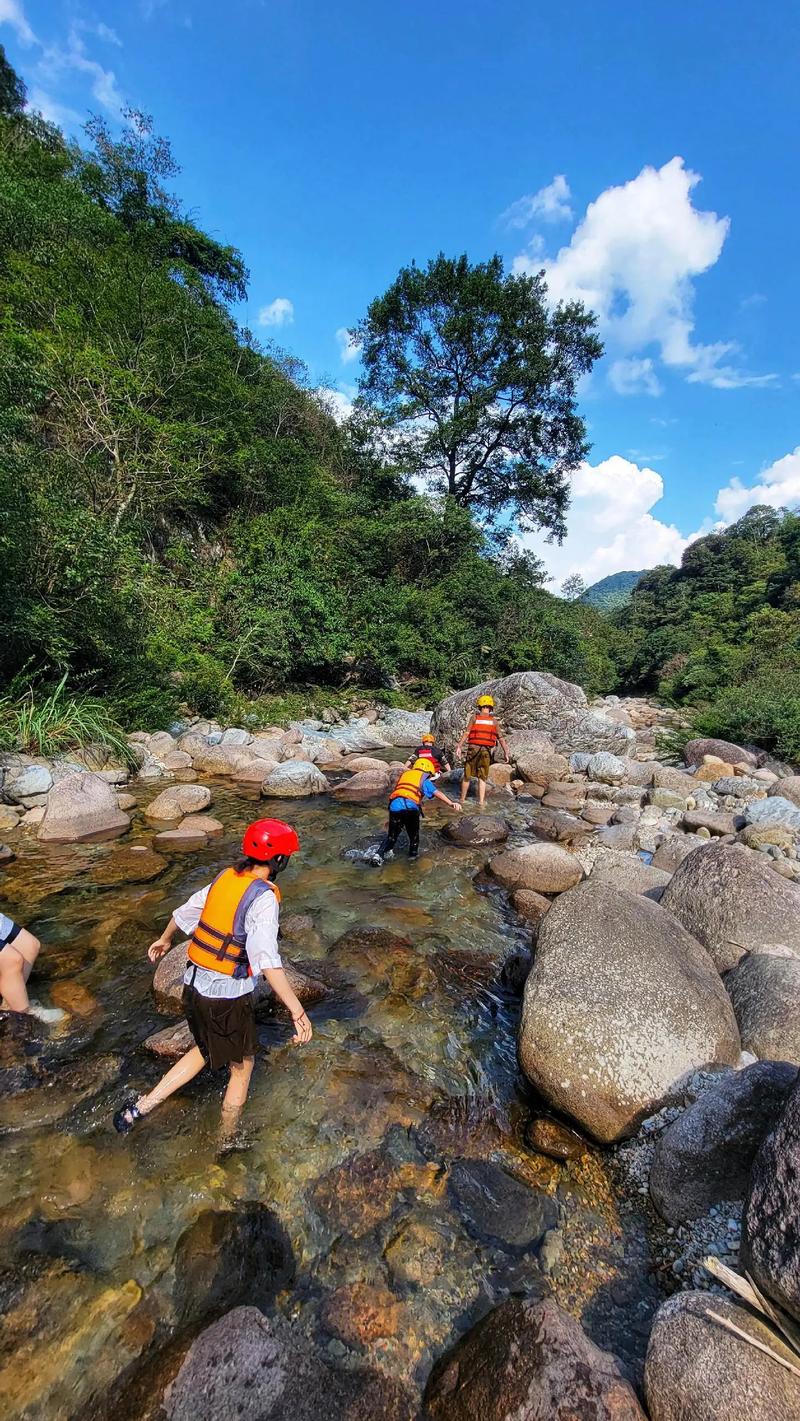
(481,793)
(16,963)
(178,1075)
(464,789)
(236,1094)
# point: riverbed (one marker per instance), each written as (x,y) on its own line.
(390,1150)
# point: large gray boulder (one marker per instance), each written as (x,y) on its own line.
(616,869)
(696,1370)
(294,779)
(535,700)
(706,1155)
(775,809)
(620,1005)
(765,993)
(403,728)
(730,899)
(546,868)
(529,1361)
(82,808)
(770,1249)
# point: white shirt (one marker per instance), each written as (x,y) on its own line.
(261,945)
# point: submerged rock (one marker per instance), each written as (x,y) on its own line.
(733,903)
(770,1249)
(473,829)
(227,1256)
(529,1359)
(552,1137)
(129,864)
(496,1206)
(705,1155)
(697,1370)
(620,1004)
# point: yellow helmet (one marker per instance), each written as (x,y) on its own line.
(485,700)
(422,765)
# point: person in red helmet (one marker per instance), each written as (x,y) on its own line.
(233,927)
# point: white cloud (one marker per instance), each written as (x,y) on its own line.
(338,404)
(610,525)
(550,203)
(12,13)
(39,101)
(633,259)
(279,312)
(57,59)
(634,376)
(778,486)
(349,349)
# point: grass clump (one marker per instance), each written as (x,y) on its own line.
(54,721)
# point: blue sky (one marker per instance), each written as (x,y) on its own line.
(646,155)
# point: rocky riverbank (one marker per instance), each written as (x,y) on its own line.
(645,962)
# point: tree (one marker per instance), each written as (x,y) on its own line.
(473,378)
(12,90)
(573,587)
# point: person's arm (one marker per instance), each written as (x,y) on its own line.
(501,742)
(451,803)
(184,919)
(463,736)
(261,925)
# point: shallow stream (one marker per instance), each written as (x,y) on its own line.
(390,1148)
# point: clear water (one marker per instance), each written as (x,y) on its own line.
(420,1048)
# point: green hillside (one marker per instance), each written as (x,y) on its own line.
(612,591)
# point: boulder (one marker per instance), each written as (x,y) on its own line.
(535,700)
(364,787)
(770,1247)
(227,1256)
(732,902)
(716,824)
(695,751)
(403,728)
(628,871)
(597,814)
(712,769)
(529,1361)
(774,810)
(172,1042)
(641,772)
(497,1207)
(551,1137)
(765,994)
(9,818)
(182,840)
(666,777)
(606,768)
(268,747)
(219,759)
(81,808)
(169,974)
(620,1005)
(530,905)
(178,800)
(739,786)
(559,825)
(252,776)
(673,849)
(176,760)
(28,781)
(203,824)
(468,830)
(353,763)
(546,868)
(541,766)
(788,788)
(236,736)
(696,1370)
(528,742)
(295,779)
(705,1156)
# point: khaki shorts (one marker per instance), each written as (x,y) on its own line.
(477,763)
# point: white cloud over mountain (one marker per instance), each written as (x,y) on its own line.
(778,486)
(633,259)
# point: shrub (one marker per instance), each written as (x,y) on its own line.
(52,722)
(765,710)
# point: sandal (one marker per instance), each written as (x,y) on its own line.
(126,1117)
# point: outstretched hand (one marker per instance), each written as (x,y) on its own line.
(157,949)
(302,1030)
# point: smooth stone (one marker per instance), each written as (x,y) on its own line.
(548,1136)
(295,779)
(33,779)
(694,752)
(180,841)
(545,868)
(607,768)
(534,700)
(81,808)
(765,994)
(495,1205)
(729,898)
(178,800)
(530,905)
(628,871)
(773,810)
(468,830)
(227,1256)
(717,824)
(126,864)
(770,1246)
(673,849)
(787,788)
(202,824)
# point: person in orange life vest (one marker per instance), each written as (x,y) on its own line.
(233,924)
(481,735)
(427,750)
(405,808)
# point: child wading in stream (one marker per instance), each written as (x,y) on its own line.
(234,936)
(19,950)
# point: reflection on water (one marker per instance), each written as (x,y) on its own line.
(350,1141)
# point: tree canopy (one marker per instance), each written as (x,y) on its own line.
(473,379)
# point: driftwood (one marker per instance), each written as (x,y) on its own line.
(746,1289)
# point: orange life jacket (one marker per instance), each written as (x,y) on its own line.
(483,731)
(423,753)
(218,941)
(409,786)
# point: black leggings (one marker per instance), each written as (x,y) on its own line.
(400,819)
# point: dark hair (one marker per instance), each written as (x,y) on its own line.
(246,864)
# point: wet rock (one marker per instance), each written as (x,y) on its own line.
(126,802)
(9,818)
(172,1042)
(31,780)
(774,810)
(496,1206)
(717,824)
(370,951)
(418,1253)
(770,1248)
(473,829)
(765,994)
(360,1313)
(534,700)
(606,768)
(530,905)
(620,1004)
(22,1039)
(228,1255)
(180,840)
(697,1370)
(629,871)
(260,1369)
(365,787)
(203,824)
(295,779)
(545,868)
(733,903)
(169,974)
(561,827)
(788,788)
(694,752)
(56,1088)
(82,808)
(129,864)
(359,1193)
(7,855)
(529,1359)
(548,1136)
(705,1156)
(178,800)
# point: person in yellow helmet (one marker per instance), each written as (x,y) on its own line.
(413,787)
(482,735)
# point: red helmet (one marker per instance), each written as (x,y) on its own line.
(268,838)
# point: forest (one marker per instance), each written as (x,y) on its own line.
(184,522)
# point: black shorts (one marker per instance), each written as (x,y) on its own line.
(223,1028)
(8,930)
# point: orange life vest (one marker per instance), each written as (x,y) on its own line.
(425,754)
(218,941)
(483,731)
(409,786)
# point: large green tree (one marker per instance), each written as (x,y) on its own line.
(473,378)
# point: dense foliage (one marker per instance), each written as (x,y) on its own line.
(722,632)
(611,592)
(181,518)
